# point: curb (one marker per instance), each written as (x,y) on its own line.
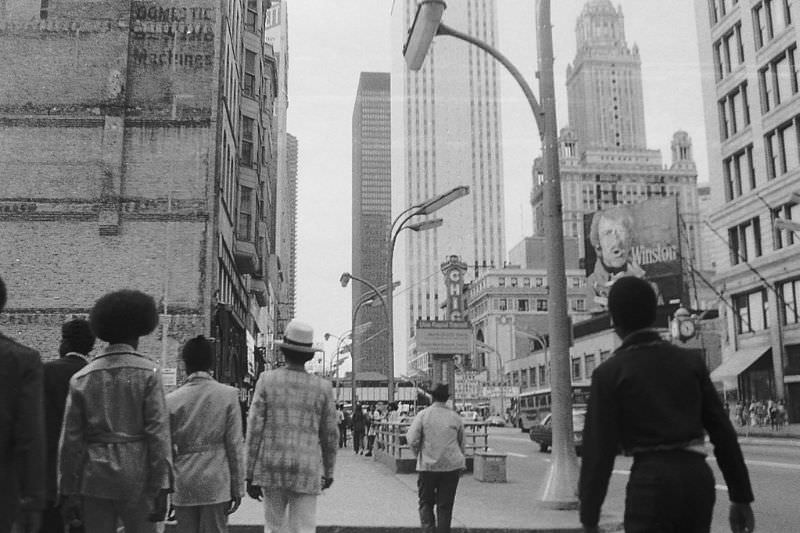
(605,528)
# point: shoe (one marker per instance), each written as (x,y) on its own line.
(368,454)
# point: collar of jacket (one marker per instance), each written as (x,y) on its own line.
(641,336)
(113,349)
(76,355)
(202,374)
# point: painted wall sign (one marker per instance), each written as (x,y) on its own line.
(172,36)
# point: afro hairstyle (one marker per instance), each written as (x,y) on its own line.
(123,315)
(632,303)
(77,336)
(198,354)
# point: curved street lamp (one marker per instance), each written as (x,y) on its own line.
(562,480)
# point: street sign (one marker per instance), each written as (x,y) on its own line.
(495,392)
(444,337)
(169,376)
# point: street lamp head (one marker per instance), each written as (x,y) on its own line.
(327,336)
(795,197)
(788,225)
(344,279)
(426,224)
(420,35)
(438,202)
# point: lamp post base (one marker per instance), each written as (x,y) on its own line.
(560,490)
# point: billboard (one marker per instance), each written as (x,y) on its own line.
(639,240)
(443,337)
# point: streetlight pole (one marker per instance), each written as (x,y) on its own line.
(563,476)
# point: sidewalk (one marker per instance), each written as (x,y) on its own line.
(788,435)
(367,496)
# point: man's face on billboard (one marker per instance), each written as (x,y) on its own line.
(614,240)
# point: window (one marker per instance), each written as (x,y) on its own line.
(734,112)
(247,140)
(736,169)
(522,305)
(744,241)
(589,362)
(249,81)
(542,375)
(576,368)
(43,9)
(578,305)
(790,296)
(502,304)
(781,149)
(751,311)
(501,282)
(778,79)
(538,282)
(251,16)
(541,305)
(763,29)
(244,231)
(782,238)
(513,282)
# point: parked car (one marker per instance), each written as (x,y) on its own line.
(542,433)
(496,421)
(470,416)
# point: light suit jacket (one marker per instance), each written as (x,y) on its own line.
(207,441)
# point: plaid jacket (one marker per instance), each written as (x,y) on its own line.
(292,436)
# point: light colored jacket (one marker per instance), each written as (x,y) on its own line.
(207,441)
(115,442)
(436,436)
(292,437)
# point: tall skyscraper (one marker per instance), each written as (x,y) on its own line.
(446,133)
(372,205)
(752,107)
(604,159)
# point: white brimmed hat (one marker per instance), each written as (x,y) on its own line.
(298,337)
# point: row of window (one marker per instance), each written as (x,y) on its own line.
(751,308)
(744,239)
(574,281)
(769,16)
(536,304)
(536,376)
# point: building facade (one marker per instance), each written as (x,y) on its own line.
(603,154)
(445,133)
(372,206)
(137,153)
(750,92)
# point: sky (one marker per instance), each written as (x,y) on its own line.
(330,43)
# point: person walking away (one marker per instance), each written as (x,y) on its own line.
(22,435)
(375,418)
(77,340)
(291,437)
(436,437)
(115,452)
(359,426)
(655,400)
(341,423)
(207,443)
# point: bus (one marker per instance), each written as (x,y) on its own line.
(530,408)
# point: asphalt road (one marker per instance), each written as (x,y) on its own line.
(774,473)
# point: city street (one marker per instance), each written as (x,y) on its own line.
(774,470)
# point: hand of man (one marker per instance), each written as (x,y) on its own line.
(254,491)
(159,513)
(71,510)
(29,522)
(234,504)
(741,519)
(326,482)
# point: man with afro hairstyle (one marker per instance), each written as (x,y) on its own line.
(656,401)
(115,457)
(22,477)
(208,444)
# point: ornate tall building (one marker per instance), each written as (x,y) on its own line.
(604,159)
(372,209)
(446,133)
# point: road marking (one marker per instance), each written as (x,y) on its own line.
(776,465)
(512,454)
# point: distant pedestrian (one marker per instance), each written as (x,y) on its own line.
(656,401)
(291,437)
(359,428)
(115,457)
(375,418)
(22,435)
(341,423)
(436,437)
(208,445)
(77,340)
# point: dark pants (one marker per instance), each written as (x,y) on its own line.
(370,443)
(342,436)
(439,489)
(669,492)
(358,438)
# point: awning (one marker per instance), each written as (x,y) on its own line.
(737,363)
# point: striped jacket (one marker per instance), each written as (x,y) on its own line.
(292,436)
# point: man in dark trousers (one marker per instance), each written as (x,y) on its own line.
(655,400)
(436,436)
(77,340)
(21,435)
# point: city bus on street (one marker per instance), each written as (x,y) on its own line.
(529,408)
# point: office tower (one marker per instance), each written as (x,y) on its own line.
(751,106)
(603,154)
(446,133)
(136,154)
(372,205)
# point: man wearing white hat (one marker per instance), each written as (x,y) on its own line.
(292,437)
